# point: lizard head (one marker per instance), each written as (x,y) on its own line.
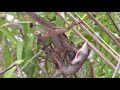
(81,54)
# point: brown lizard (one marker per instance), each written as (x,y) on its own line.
(81,55)
(54,32)
(60,41)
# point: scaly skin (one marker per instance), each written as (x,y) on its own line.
(77,62)
(61,42)
(53,31)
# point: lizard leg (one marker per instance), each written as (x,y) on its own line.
(57,31)
(62,30)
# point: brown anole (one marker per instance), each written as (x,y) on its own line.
(60,42)
(52,31)
(81,55)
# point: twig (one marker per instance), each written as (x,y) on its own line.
(8,69)
(109,33)
(112,20)
(18,69)
(97,35)
(97,40)
(91,45)
(116,69)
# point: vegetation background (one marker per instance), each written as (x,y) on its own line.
(18,45)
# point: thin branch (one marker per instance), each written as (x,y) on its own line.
(113,37)
(7,69)
(83,22)
(97,40)
(112,20)
(14,65)
(91,45)
(116,69)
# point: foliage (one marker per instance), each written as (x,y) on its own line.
(18,44)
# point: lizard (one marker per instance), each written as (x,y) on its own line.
(76,63)
(61,43)
(54,32)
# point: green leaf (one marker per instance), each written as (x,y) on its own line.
(26,29)
(24,22)
(18,62)
(8,34)
(10,72)
(20,50)
(68,33)
(77,41)
(7,57)
(27,52)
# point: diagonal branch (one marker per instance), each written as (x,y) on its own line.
(116,69)
(83,22)
(112,36)
(91,45)
(84,28)
(112,20)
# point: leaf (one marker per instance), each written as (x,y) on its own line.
(18,62)
(7,56)
(20,50)
(10,72)
(9,35)
(26,28)
(27,52)
(68,33)
(24,22)
(77,41)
